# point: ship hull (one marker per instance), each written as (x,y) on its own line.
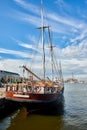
(47,105)
(33,97)
(36,101)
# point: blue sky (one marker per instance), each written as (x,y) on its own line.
(19,36)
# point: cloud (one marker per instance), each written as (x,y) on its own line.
(34,20)
(81,36)
(73,55)
(28,6)
(76,51)
(26,45)
(70,58)
(75,66)
(69,21)
(16,53)
(73,59)
(12,65)
(32,46)
(59,23)
(63,6)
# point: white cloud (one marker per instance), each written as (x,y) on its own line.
(16,53)
(63,5)
(34,20)
(73,60)
(75,66)
(73,57)
(28,6)
(32,38)
(31,45)
(76,51)
(12,65)
(26,45)
(70,58)
(59,23)
(81,36)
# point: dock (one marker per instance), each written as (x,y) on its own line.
(2,97)
(2,92)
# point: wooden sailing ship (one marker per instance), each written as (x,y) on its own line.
(41,91)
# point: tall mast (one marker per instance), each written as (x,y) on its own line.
(42,29)
(60,72)
(51,49)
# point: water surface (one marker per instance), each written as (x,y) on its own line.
(71,115)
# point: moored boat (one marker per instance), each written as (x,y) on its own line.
(43,91)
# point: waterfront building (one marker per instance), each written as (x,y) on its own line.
(7,76)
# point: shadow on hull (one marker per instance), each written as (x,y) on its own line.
(55,108)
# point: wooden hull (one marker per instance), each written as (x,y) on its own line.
(33,97)
(36,101)
(48,104)
(49,108)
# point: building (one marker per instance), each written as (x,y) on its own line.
(9,76)
(71,80)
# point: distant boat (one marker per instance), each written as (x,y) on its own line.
(43,91)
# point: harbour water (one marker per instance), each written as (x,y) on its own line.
(71,115)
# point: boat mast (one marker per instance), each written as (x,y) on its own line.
(43,27)
(43,52)
(60,72)
(51,50)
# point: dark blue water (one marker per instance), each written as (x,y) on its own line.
(71,115)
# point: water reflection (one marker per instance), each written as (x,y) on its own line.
(57,110)
(48,118)
(35,120)
(6,122)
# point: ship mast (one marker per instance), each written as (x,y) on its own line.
(42,29)
(60,72)
(51,50)
(51,46)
